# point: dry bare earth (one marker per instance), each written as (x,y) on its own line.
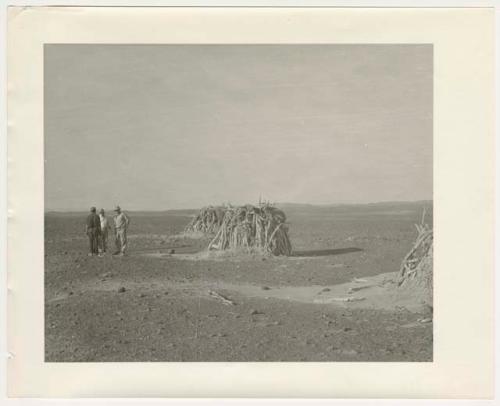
(170,309)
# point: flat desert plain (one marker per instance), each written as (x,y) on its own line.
(334,299)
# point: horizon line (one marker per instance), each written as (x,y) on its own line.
(274,203)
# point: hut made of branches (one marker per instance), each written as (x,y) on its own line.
(207,221)
(261,228)
(416,272)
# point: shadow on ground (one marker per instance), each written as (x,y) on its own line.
(325,253)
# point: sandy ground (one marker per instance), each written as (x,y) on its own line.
(333,300)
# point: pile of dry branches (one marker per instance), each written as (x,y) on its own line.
(417,266)
(207,221)
(261,228)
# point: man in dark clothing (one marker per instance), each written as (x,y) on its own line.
(93,230)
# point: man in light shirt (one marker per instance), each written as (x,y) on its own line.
(103,237)
(121,227)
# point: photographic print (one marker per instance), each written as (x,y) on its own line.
(239,202)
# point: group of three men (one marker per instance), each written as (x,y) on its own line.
(97,228)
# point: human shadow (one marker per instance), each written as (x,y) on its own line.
(325,253)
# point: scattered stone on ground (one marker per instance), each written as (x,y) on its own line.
(174,325)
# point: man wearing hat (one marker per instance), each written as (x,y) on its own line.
(121,226)
(93,230)
(103,237)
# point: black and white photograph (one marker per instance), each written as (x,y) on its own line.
(238,202)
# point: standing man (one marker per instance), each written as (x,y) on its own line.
(93,230)
(121,227)
(105,227)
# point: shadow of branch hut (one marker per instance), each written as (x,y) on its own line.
(325,252)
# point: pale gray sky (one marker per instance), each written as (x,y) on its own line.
(175,126)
